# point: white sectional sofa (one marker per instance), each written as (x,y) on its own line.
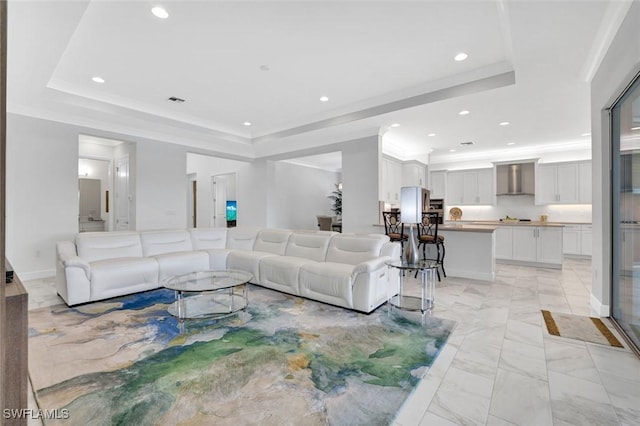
(340,269)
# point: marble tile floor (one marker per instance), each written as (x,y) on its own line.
(500,366)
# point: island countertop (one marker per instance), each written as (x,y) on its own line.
(503,223)
(467,227)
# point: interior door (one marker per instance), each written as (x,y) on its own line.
(122,194)
(192,200)
(219,218)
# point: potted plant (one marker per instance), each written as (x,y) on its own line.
(336,196)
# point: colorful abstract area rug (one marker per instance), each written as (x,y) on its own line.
(587,329)
(286,360)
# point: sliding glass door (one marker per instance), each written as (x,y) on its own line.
(625,126)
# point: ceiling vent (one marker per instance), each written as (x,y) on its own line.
(176,99)
(467,143)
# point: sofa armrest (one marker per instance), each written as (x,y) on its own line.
(68,258)
(371,265)
(393,250)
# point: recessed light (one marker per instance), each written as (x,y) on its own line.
(468,143)
(97,79)
(511,143)
(504,123)
(264,68)
(635,128)
(324,98)
(452,150)
(247,123)
(461,56)
(160,12)
(586,134)
(463,112)
(395,125)
(431,134)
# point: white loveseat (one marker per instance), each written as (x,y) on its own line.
(340,269)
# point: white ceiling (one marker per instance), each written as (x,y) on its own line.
(269,62)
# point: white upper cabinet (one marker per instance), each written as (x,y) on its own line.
(470,187)
(390,181)
(413,174)
(455,188)
(438,184)
(564,183)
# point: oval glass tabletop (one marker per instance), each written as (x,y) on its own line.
(220,293)
(422,264)
(207,280)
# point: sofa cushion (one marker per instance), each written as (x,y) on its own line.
(353,250)
(327,282)
(247,261)
(161,242)
(282,272)
(171,264)
(208,238)
(241,238)
(94,246)
(272,241)
(115,277)
(308,246)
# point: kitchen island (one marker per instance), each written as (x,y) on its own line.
(470,250)
(529,243)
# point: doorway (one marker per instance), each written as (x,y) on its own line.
(625,125)
(192,200)
(223,200)
(94,184)
(122,194)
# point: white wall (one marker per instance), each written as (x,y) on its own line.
(360,168)
(42,192)
(297,194)
(161,186)
(250,190)
(42,188)
(620,64)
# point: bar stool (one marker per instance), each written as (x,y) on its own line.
(428,234)
(394,228)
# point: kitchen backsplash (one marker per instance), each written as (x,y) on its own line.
(523,207)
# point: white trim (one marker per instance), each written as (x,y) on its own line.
(598,308)
(472,275)
(36,275)
(609,26)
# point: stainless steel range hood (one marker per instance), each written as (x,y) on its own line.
(515,179)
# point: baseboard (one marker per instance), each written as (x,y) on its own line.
(598,308)
(527,263)
(472,275)
(37,275)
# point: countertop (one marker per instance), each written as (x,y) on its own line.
(467,227)
(504,223)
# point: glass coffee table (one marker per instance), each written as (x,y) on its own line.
(217,294)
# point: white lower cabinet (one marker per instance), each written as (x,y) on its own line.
(585,240)
(549,245)
(504,242)
(530,245)
(577,240)
(571,241)
(524,243)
